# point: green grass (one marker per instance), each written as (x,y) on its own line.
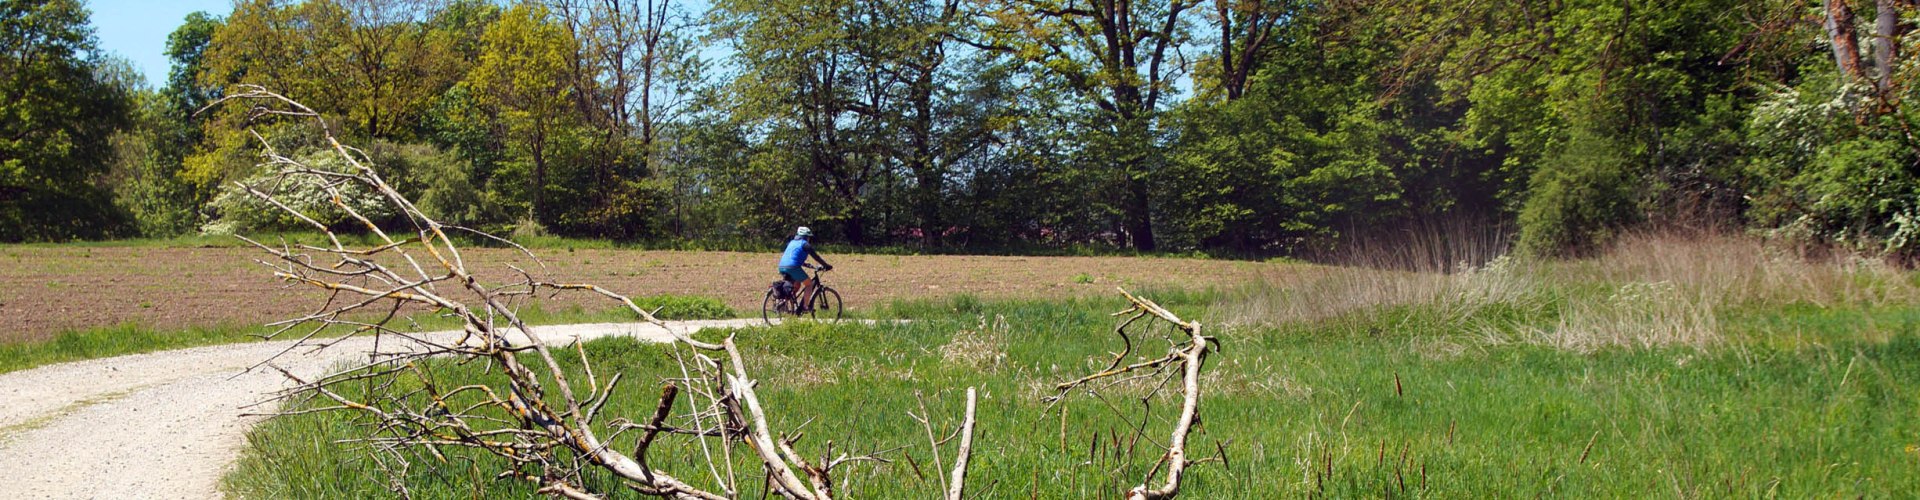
(1809,401)
(112,341)
(133,338)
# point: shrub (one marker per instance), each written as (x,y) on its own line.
(681,307)
(1830,177)
(242,212)
(1581,200)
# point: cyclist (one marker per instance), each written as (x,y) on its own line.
(795,257)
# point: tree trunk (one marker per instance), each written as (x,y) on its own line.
(538,148)
(1139,218)
(856,226)
(1254,25)
(1231,78)
(1846,49)
(925,170)
(646,118)
(1886,41)
(1135,132)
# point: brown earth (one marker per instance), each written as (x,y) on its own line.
(48,289)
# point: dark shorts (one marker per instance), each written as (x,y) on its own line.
(793,273)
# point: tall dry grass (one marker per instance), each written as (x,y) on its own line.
(1740,270)
(1325,292)
(1648,290)
(1455,267)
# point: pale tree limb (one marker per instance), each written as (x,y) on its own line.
(957,487)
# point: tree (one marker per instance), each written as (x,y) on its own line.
(393,65)
(522,73)
(146,161)
(635,51)
(186,49)
(918,35)
(375,62)
(633,65)
(1115,54)
(58,114)
(165,128)
(1840,34)
(1246,26)
(811,86)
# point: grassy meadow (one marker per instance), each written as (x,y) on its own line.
(1670,366)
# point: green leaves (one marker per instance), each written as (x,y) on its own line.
(56,120)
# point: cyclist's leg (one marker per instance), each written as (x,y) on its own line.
(793,277)
(804,296)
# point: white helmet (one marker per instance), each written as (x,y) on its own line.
(803,231)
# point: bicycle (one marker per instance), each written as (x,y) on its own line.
(821,303)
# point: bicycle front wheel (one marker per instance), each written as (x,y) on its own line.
(826,305)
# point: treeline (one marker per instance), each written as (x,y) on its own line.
(1247,126)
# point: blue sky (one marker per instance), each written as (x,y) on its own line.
(137,29)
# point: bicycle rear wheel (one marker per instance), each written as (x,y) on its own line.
(826,305)
(770,307)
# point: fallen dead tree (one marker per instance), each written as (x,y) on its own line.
(1184,359)
(536,414)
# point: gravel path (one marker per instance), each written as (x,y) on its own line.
(168,424)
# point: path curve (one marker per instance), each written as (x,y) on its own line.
(168,424)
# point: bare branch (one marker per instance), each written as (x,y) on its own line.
(957,487)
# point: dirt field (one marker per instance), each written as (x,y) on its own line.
(46,290)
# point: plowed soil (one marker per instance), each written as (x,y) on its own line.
(45,290)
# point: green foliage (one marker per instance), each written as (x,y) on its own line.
(1281,166)
(1580,200)
(437,181)
(376,65)
(56,125)
(1827,177)
(186,48)
(521,77)
(145,167)
(680,307)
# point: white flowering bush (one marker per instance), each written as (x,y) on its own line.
(237,211)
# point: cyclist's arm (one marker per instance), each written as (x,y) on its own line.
(817,257)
